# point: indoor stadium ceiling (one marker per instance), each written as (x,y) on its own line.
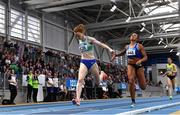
(156,21)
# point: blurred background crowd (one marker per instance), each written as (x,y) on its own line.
(18,59)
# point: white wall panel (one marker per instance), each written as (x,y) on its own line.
(154,73)
(105,56)
(54,37)
(74,47)
(96,53)
(55,19)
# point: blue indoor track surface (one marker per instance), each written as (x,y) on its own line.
(108,106)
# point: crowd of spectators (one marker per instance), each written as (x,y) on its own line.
(23,57)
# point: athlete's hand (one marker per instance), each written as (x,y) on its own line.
(138,62)
(113,54)
(174,74)
(113,58)
(164,74)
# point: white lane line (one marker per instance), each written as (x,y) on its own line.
(148,109)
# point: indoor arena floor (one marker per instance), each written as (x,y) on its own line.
(153,105)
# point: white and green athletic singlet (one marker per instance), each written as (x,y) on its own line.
(85,45)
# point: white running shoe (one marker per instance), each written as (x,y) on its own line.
(132,105)
(170,97)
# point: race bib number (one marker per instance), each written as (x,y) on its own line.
(131,52)
(83,47)
(169,69)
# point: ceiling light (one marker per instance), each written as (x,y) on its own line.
(165,46)
(113,1)
(113,8)
(178,54)
(151,36)
(170,1)
(128,19)
(171,50)
(160,42)
(142,29)
(170,11)
(161,39)
(143,24)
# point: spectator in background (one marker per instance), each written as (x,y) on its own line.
(89,86)
(50,87)
(7,59)
(12,86)
(63,91)
(110,86)
(35,82)
(67,67)
(1,54)
(103,90)
(29,85)
(115,89)
(83,93)
(119,90)
(161,86)
(56,86)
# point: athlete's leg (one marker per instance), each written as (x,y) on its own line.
(173,83)
(95,71)
(141,78)
(81,75)
(169,87)
(131,81)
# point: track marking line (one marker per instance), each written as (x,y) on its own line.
(148,109)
